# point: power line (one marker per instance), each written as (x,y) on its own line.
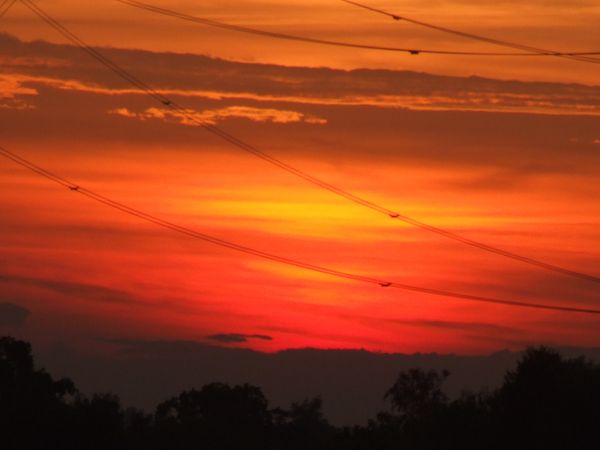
(289,37)
(76,188)
(5,6)
(577,56)
(166,101)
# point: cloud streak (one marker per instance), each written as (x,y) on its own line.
(214,116)
(202,77)
(73,289)
(237,338)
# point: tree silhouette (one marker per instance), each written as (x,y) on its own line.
(418,405)
(98,422)
(303,426)
(547,402)
(217,416)
(32,405)
(417,392)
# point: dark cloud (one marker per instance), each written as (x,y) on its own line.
(233,338)
(460,326)
(83,290)
(196,74)
(13,315)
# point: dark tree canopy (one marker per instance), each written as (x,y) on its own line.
(220,416)
(32,404)
(417,392)
(547,402)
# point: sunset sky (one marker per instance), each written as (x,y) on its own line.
(502,150)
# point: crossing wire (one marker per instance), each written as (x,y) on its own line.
(76,188)
(577,56)
(289,37)
(243,145)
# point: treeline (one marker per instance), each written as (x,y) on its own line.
(547,402)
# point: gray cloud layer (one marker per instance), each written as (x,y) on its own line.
(399,89)
(236,338)
(13,315)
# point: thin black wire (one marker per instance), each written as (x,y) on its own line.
(287,167)
(289,37)
(2,6)
(272,257)
(5,6)
(577,56)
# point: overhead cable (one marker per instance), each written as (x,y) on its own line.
(77,188)
(243,145)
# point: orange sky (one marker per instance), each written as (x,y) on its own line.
(512,163)
(556,25)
